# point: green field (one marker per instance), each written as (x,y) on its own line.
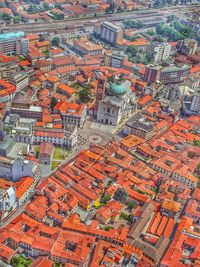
(21,261)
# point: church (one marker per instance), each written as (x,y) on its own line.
(117,103)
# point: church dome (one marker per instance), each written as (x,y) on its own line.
(118,89)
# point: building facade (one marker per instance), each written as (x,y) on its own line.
(14,43)
(109,32)
(167,75)
(187,47)
(118,103)
(159,51)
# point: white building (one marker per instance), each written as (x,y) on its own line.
(13,169)
(118,103)
(7,199)
(159,51)
(20,80)
(66,137)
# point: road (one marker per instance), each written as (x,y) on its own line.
(90,21)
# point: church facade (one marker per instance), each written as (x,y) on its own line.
(117,104)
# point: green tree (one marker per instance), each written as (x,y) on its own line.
(46,6)
(105,198)
(55,41)
(196,143)
(85,94)
(53,103)
(121,195)
(170,18)
(198,167)
(128,217)
(129,24)
(41,37)
(158,39)
(132,50)
(5,16)
(59,6)
(131,204)
(16,19)
(151,32)
(108,227)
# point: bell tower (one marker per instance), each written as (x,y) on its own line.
(101,87)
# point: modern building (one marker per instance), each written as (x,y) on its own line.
(195,105)
(109,32)
(118,103)
(115,59)
(187,46)
(158,51)
(20,80)
(14,43)
(33,112)
(166,74)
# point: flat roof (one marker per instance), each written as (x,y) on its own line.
(11,35)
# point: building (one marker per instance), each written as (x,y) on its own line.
(23,131)
(63,137)
(6,146)
(8,66)
(167,75)
(158,51)
(57,52)
(14,43)
(6,164)
(32,112)
(14,169)
(183,175)
(118,103)
(20,80)
(109,32)
(85,47)
(7,91)
(115,59)
(195,104)
(138,125)
(187,46)
(46,152)
(101,88)
(71,113)
(24,189)
(191,23)
(7,196)
(22,167)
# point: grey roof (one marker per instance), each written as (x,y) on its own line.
(114,101)
(138,121)
(111,25)
(6,143)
